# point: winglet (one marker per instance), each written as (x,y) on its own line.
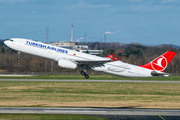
(115,59)
(110,56)
(160,63)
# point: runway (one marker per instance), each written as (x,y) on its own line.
(89,111)
(64,80)
(111,113)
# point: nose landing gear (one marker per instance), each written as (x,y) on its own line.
(18,55)
(85,74)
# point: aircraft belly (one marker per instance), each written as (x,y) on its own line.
(133,72)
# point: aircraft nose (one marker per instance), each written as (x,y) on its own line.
(6,42)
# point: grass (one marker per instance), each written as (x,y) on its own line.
(94,77)
(47,117)
(81,94)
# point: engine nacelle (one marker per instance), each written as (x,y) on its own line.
(67,64)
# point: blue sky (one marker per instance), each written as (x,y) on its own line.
(130,21)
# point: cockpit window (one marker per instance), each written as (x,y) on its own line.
(11,40)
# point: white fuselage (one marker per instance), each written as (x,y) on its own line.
(55,53)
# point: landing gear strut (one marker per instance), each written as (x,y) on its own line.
(85,74)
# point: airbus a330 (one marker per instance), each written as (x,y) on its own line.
(72,59)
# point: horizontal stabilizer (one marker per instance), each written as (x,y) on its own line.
(155,73)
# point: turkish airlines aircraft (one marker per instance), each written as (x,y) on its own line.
(73,59)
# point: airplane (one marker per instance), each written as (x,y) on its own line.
(72,59)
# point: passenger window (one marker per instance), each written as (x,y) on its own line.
(11,40)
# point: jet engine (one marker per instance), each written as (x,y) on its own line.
(67,64)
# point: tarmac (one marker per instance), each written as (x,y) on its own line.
(110,113)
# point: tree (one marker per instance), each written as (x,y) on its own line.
(3,50)
(1,42)
(111,51)
(87,52)
(119,54)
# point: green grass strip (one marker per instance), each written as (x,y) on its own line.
(47,117)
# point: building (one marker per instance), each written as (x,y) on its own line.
(68,45)
(92,52)
(81,47)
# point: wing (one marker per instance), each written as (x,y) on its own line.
(92,63)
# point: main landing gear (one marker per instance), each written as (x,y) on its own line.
(85,74)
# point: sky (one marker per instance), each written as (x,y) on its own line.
(148,22)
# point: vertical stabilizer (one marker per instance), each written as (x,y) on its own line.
(160,63)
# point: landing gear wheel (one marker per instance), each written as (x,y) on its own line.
(82,73)
(18,57)
(86,76)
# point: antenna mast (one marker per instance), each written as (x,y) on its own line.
(72,34)
(105,38)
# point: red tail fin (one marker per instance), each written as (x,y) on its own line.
(115,59)
(110,56)
(160,63)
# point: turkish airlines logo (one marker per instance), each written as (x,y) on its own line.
(159,64)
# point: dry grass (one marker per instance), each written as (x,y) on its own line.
(136,95)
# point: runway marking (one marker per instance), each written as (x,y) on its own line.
(161,117)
